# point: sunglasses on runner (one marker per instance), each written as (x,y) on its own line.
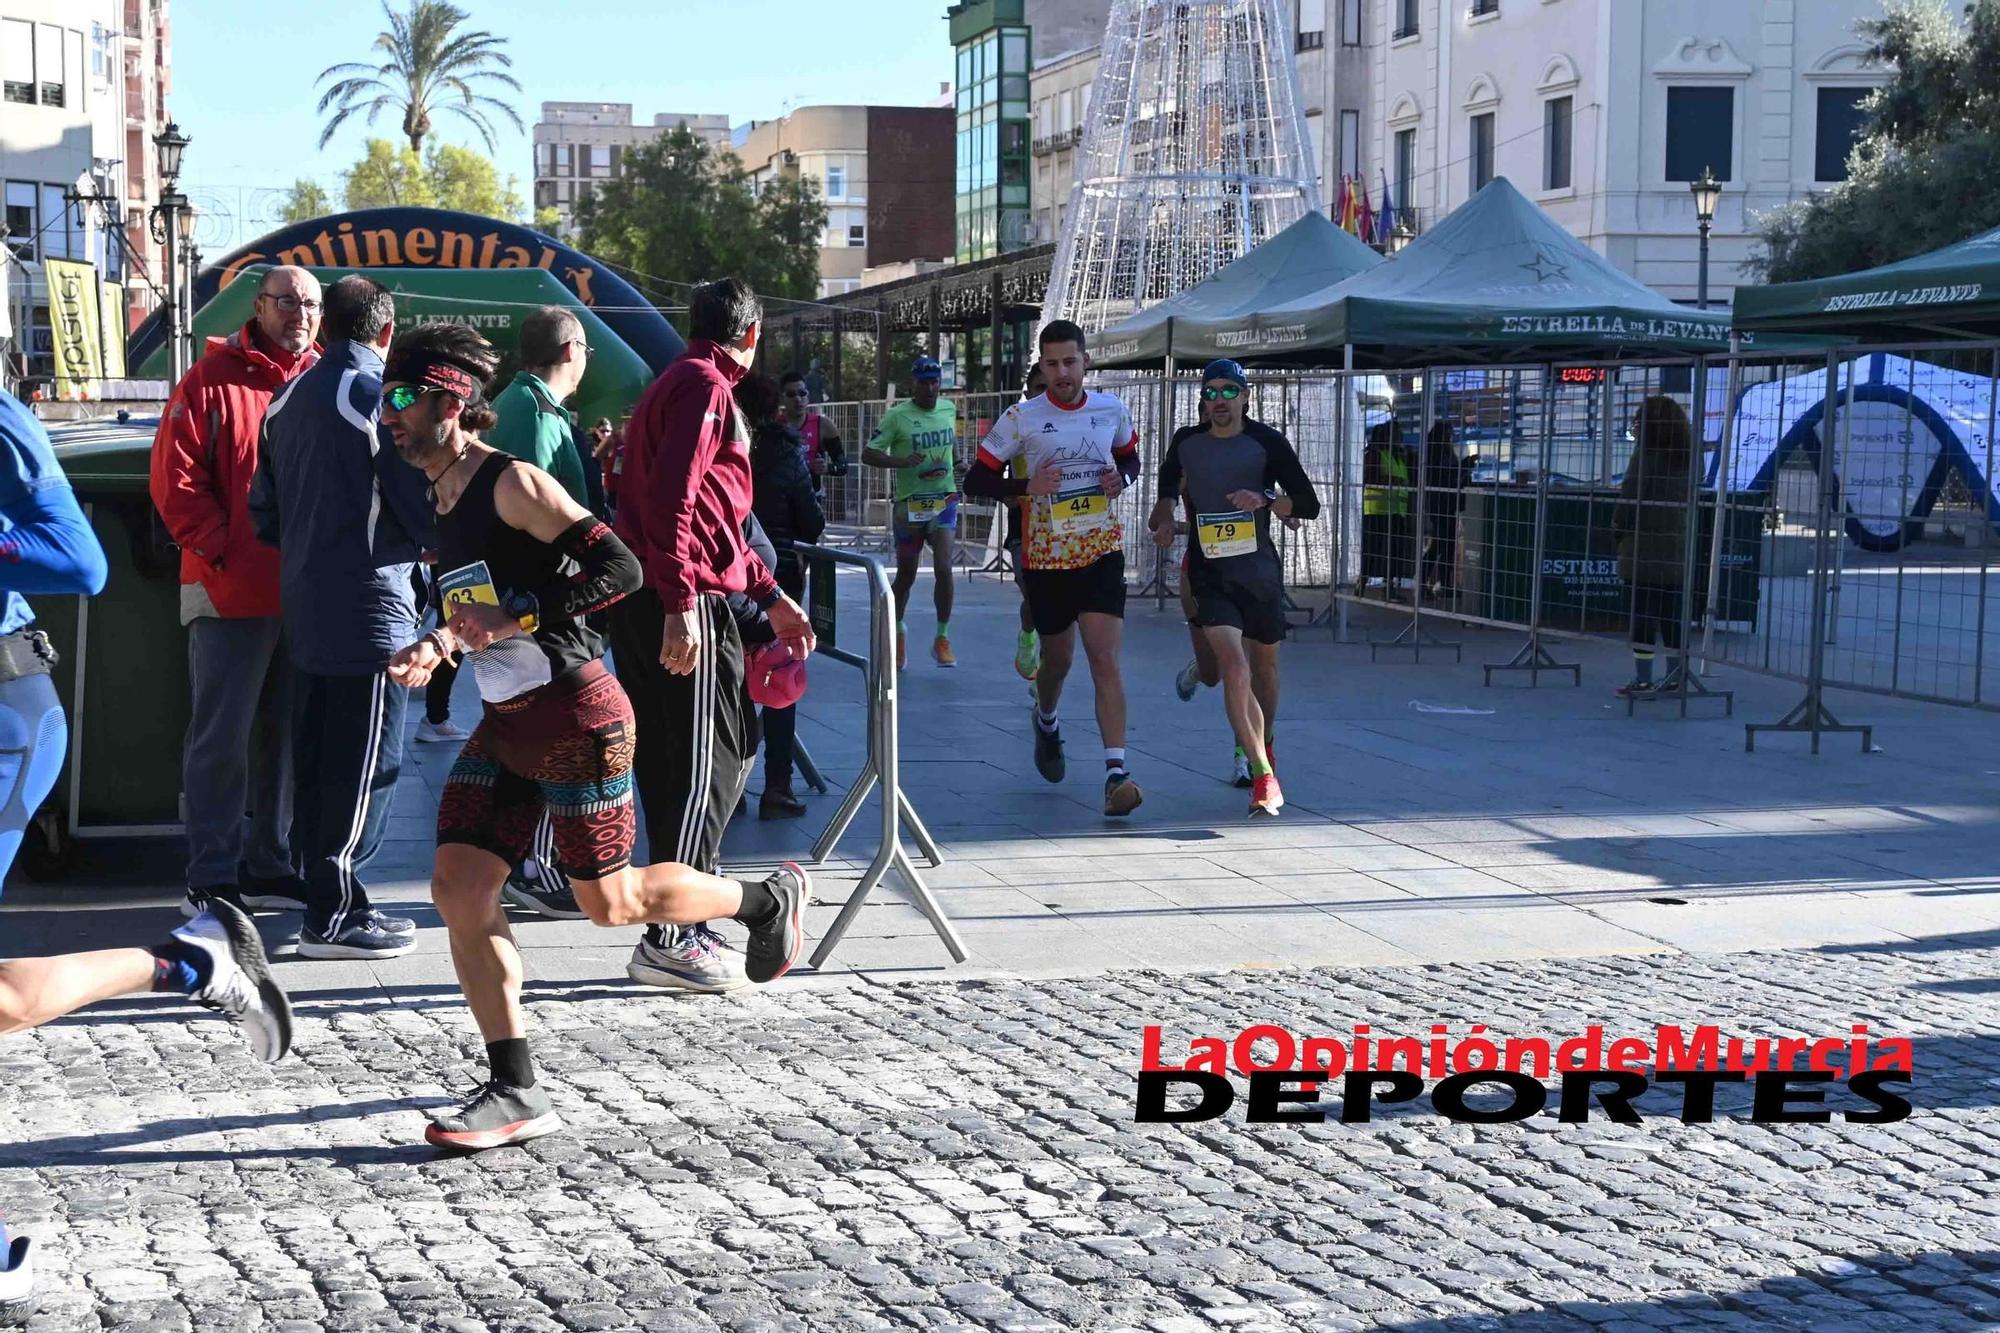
(404,396)
(1229,392)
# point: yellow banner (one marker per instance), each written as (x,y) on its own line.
(114,331)
(73,324)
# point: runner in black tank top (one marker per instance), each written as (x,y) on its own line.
(521,566)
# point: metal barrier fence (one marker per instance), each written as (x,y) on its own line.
(1509,496)
(883,766)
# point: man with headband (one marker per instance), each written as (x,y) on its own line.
(350,523)
(521,565)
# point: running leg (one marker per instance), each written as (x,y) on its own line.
(34,991)
(1102,636)
(1058,652)
(1246,717)
(1264,684)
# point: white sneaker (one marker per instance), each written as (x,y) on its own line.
(239,979)
(693,959)
(17,1278)
(1188,681)
(441,733)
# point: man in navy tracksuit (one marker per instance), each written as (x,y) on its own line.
(350,520)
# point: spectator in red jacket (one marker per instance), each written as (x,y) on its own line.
(204,458)
(681,508)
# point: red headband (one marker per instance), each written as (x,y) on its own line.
(443,375)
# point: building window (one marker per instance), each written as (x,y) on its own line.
(836,182)
(17,61)
(1406,19)
(1312,25)
(49,63)
(600,159)
(23,223)
(1480,7)
(1406,166)
(1840,122)
(1350,22)
(1316,136)
(62,235)
(1556,141)
(1701,131)
(857,236)
(1350,143)
(1480,161)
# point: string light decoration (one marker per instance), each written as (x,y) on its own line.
(1194,152)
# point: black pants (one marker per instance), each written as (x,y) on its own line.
(781,725)
(697,733)
(347,752)
(1656,609)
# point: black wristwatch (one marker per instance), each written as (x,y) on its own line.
(524,608)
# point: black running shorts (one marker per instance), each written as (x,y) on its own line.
(1056,597)
(1258,611)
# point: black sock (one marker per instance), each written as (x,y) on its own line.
(760,905)
(510,1062)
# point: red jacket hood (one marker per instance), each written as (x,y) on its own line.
(246,346)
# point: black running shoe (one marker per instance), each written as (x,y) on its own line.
(776,945)
(543,890)
(1121,795)
(370,935)
(196,901)
(498,1114)
(1048,750)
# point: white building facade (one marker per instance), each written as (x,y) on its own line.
(1599,110)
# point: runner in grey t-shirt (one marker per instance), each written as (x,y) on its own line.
(1232,483)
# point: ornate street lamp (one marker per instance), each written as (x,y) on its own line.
(1706,189)
(1401,236)
(173,217)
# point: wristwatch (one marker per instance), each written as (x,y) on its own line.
(1271,496)
(523,607)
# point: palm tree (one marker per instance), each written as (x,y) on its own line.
(427,67)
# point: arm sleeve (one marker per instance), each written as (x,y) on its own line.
(1281,465)
(47,546)
(263,501)
(833,449)
(751,621)
(607,572)
(688,426)
(1170,467)
(183,490)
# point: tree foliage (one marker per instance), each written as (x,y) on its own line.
(305,200)
(1922,172)
(686,213)
(446,176)
(429,66)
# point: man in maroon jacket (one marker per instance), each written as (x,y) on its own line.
(682,504)
(204,456)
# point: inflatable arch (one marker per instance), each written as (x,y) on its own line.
(1912,424)
(435,239)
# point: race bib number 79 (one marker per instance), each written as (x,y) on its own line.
(1225,535)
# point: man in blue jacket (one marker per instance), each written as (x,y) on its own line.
(350,521)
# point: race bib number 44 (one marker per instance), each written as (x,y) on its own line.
(1080,507)
(1225,535)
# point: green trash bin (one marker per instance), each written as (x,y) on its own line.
(123,676)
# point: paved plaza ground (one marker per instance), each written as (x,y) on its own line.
(899,1142)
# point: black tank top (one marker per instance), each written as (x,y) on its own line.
(473,532)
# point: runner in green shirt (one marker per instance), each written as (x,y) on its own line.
(918,440)
(534,426)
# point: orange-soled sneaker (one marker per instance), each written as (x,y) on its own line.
(1266,798)
(941,652)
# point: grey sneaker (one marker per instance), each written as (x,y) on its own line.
(690,959)
(543,890)
(371,935)
(1048,748)
(1188,681)
(239,979)
(497,1115)
(776,945)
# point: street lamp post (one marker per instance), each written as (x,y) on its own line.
(1401,236)
(170,143)
(1706,190)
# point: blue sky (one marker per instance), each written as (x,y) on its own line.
(244,85)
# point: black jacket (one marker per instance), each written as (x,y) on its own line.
(782,494)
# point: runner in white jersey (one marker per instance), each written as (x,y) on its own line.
(1081,452)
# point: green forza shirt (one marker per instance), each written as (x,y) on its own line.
(535,428)
(933,435)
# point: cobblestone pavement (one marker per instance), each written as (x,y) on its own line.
(853,1154)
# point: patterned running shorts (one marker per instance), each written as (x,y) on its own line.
(565,748)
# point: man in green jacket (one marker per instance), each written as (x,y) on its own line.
(534,426)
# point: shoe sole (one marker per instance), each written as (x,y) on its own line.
(661,979)
(479,1140)
(527,902)
(422,739)
(1267,811)
(795,928)
(776,812)
(1117,805)
(246,946)
(271,902)
(311,949)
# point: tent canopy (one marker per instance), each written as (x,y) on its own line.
(493,301)
(1310,255)
(1498,280)
(1953,292)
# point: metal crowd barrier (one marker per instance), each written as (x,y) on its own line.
(882,767)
